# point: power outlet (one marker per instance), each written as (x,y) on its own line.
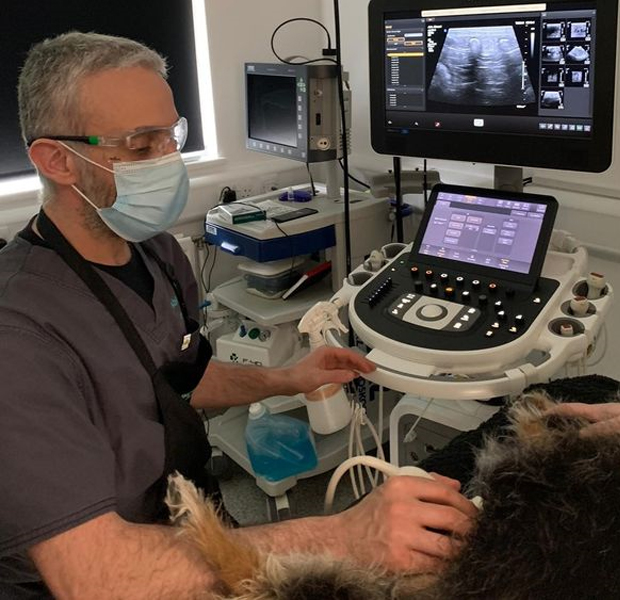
(244,190)
(269,185)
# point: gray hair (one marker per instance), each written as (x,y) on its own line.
(49,83)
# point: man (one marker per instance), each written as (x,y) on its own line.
(98,344)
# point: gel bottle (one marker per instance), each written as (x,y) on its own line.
(278,446)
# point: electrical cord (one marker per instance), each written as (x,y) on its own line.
(286,235)
(344,142)
(314,192)
(206,285)
(338,62)
(604,350)
(305,62)
(212,267)
(202,271)
(353,178)
(356,449)
(372,462)
(410,435)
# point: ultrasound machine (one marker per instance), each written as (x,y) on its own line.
(488,298)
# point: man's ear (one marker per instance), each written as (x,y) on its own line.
(53,161)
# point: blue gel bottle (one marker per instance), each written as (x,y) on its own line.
(278,446)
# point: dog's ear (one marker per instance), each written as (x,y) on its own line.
(199,521)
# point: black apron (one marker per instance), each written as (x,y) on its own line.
(187,448)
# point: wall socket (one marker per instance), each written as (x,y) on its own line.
(246,189)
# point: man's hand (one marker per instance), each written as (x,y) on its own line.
(605,417)
(326,365)
(409,524)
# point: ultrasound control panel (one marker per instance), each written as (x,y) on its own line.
(472,278)
(449,309)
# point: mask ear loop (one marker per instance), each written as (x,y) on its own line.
(92,162)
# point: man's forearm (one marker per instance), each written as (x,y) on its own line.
(310,535)
(225,385)
(108,558)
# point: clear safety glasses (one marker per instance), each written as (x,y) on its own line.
(147,140)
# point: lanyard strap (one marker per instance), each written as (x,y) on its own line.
(168,271)
(98,287)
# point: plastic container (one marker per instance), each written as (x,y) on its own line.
(329,409)
(271,280)
(278,446)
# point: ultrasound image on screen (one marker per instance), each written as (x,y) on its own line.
(553,30)
(577,76)
(552,76)
(578,53)
(272,110)
(552,99)
(481,66)
(580,30)
(553,53)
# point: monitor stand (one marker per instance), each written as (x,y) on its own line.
(508,179)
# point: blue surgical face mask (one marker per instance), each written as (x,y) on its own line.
(150,196)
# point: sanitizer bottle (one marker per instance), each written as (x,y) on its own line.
(278,446)
(329,409)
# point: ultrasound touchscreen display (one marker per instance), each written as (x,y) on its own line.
(482,230)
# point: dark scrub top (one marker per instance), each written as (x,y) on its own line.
(79,430)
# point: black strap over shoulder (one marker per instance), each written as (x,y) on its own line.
(186,445)
(98,287)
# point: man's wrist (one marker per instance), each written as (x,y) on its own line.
(311,535)
(281,381)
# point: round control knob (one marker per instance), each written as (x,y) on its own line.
(432,312)
(460,281)
(466,297)
(415,271)
(444,277)
(566,330)
(501,315)
(596,285)
(418,286)
(498,305)
(449,292)
(579,306)
(253,333)
(483,300)
(519,321)
(475,284)
(433,288)
(428,274)
(492,287)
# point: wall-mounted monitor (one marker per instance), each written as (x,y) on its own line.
(511,83)
(292,111)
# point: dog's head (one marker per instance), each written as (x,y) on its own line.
(550,527)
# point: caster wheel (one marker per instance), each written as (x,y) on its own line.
(279,509)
